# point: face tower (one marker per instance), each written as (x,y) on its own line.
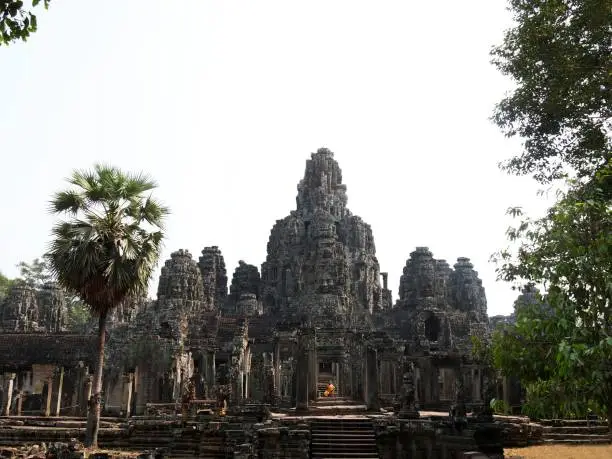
(321,261)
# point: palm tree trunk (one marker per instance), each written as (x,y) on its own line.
(95,402)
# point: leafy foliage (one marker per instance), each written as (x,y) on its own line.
(104,253)
(106,250)
(15,22)
(560,55)
(37,273)
(5,285)
(562,344)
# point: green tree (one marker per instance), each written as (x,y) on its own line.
(567,345)
(106,250)
(5,285)
(560,56)
(15,22)
(36,273)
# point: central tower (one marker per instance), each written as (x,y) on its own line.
(321,261)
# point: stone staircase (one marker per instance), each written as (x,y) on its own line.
(345,438)
(328,406)
(576,432)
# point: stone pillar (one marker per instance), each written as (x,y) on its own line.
(126,394)
(302,373)
(211,371)
(20,398)
(385,278)
(313,371)
(371,386)
(60,388)
(49,396)
(77,395)
(277,369)
(87,388)
(9,379)
(239,387)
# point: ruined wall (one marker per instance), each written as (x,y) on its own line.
(26,309)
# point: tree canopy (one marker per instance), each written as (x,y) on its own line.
(16,23)
(561,344)
(106,249)
(5,285)
(559,54)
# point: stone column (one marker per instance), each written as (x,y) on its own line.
(87,388)
(277,370)
(126,394)
(78,389)
(313,370)
(240,387)
(372,380)
(60,388)
(302,373)
(20,398)
(9,379)
(211,371)
(49,396)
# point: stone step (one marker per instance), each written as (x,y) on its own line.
(565,436)
(366,447)
(342,455)
(342,438)
(602,441)
(347,437)
(341,424)
(572,422)
(577,430)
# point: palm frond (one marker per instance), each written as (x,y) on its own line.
(69,201)
(103,254)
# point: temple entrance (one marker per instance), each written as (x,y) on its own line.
(325,367)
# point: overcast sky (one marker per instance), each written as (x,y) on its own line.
(222,102)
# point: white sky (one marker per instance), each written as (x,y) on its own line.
(223,101)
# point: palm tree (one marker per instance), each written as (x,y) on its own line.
(106,249)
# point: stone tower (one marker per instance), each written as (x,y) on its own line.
(321,260)
(180,294)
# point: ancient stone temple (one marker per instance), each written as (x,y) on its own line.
(318,311)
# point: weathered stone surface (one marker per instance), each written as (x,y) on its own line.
(214,277)
(321,259)
(320,276)
(180,294)
(20,309)
(245,291)
(51,308)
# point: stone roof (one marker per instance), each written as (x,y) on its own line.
(22,350)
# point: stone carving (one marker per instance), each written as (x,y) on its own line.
(51,308)
(214,277)
(244,290)
(408,409)
(467,290)
(20,309)
(321,259)
(180,294)
(321,276)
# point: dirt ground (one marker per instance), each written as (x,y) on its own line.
(561,452)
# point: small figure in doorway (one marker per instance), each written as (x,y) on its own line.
(329,391)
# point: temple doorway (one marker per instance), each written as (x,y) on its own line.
(325,367)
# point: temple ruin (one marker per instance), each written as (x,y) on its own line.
(319,310)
